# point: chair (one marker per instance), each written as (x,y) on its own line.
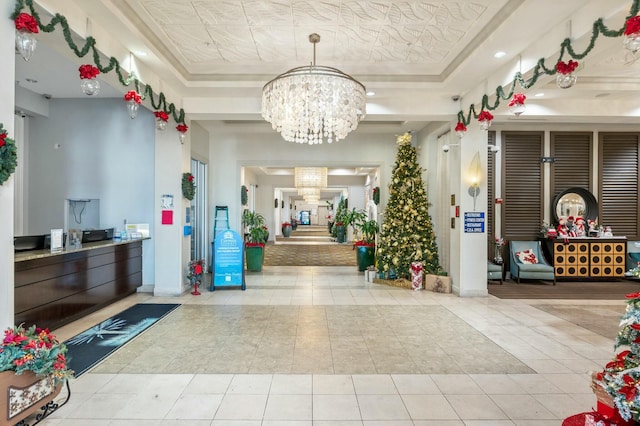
(494,272)
(541,270)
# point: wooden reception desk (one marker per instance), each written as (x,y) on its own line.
(53,289)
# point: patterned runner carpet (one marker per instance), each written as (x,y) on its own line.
(309,255)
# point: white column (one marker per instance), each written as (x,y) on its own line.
(7,94)
(472,249)
(171,249)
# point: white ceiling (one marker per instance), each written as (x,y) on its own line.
(212,57)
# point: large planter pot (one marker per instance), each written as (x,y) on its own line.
(286,231)
(365,256)
(254,256)
(341,234)
(24,394)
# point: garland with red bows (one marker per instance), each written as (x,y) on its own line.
(8,156)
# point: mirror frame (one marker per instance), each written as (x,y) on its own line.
(591,205)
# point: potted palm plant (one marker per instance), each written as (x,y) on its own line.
(365,246)
(255,238)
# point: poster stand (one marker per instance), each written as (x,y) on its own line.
(227,260)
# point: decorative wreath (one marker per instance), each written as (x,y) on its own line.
(188,187)
(243,195)
(8,156)
(376,195)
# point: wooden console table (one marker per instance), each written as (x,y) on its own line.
(590,257)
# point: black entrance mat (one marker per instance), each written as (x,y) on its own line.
(94,344)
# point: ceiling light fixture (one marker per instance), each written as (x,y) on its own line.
(313,103)
(310,177)
(499,54)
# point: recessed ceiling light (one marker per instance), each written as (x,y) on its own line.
(371,93)
(499,54)
(539,94)
(140,53)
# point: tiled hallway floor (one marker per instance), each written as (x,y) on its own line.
(319,346)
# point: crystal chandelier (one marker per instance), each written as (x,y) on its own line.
(309,192)
(310,177)
(314,103)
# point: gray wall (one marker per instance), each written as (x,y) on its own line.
(103,154)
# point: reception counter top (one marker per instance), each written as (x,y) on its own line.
(55,288)
(39,254)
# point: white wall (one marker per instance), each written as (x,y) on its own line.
(102,154)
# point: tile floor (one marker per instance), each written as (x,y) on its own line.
(319,346)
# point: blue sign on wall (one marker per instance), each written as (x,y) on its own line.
(228,257)
(474,222)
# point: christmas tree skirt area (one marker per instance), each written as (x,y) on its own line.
(435,283)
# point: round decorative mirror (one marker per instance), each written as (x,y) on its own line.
(576,202)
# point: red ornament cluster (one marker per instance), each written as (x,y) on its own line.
(632,25)
(132,95)
(88,71)
(517,99)
(485,116)
(460,127)
(26,22)
(566,67)
(182,128)
(161,115)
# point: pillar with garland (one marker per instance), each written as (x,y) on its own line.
(407,235)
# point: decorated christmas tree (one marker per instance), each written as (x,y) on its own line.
(406,234)
(620,378)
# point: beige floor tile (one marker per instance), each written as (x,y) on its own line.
(382,407)
(289,407)
(335,407)
(476,407)
(241,407)
(429,407)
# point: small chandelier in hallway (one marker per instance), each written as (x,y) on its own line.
(313,103)
(310,177)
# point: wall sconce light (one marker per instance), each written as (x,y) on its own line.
(475,176)
(493,148)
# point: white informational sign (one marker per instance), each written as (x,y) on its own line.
(56,240)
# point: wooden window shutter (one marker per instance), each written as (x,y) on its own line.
(572,166)
(491,194)
(522,185)
(618,197)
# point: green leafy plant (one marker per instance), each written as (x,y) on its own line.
(368,229)
(34,349)
(256,231)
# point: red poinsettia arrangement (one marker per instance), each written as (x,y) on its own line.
(132,95)
(3,137)
(161,115)
(36,350)
(88,71)
(182,128)
(632,25)
(26,22)
(566,67)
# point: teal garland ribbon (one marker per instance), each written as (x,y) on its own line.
(566,48)
(113,64)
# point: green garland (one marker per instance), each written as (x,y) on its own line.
(90,44)
(565,47)
(8,156)
(188,187)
